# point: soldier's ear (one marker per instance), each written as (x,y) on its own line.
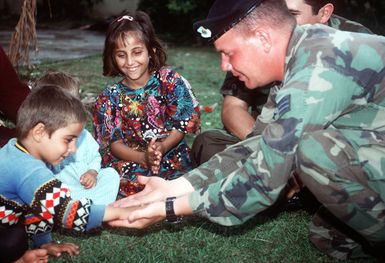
(263,37)
(325,13)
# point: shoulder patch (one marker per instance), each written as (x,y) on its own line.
(283,105)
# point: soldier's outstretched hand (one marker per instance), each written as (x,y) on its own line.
(156,189)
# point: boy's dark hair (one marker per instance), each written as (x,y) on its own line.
(140,24)
(60,79)
(49,105)
(317,4)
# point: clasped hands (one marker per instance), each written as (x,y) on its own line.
(148,206)
(154,155)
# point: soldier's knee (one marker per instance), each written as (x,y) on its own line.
(206,145)
(199,140)
(198,148)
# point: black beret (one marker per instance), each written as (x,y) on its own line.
(223,15)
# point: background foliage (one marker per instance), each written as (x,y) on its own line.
(370,13)
(175,17)
(64,9)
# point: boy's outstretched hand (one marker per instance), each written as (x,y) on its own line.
(141,216)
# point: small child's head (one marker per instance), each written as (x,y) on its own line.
(60,79)
(47,110)
(124,30)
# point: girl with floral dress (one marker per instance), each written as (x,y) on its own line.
(140,122)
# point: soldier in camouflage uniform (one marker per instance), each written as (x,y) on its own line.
(236,118)
(327,126)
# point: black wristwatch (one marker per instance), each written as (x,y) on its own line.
(171,217)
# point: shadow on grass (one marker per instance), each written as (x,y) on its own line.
(238,230)
(268,215)
(195,222)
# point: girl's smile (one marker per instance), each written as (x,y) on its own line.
(132,59)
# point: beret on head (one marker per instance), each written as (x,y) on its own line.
(223,15)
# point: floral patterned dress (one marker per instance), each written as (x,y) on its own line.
(137,115)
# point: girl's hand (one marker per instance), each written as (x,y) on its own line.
(89,179)
(159,151)
(160,148)
(56,249)
(153,155)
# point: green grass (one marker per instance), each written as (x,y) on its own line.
(279,239)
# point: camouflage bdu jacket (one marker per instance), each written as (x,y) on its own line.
(333,80)
(344,24)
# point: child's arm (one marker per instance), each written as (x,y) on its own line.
(117,213)
(89,148)
(91,152)
(169,142)
(123,152)
(52,205)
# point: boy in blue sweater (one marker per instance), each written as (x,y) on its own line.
(48,125)
(82,170)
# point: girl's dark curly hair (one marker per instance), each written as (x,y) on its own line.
(139,23)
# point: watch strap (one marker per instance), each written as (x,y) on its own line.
(171,217)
